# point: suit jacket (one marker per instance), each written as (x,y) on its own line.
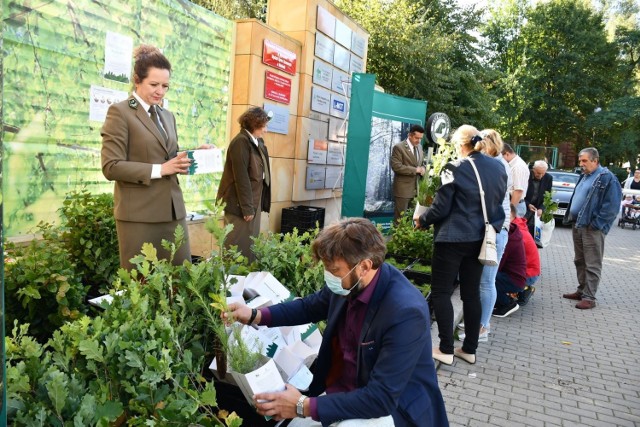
(131,144)
(545,185)
(242,186)
(395,370)
(404,164)
(456,212)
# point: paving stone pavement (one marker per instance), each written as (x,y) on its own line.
(550,364)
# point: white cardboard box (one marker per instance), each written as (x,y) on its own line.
(265,379)
(268,286)
(103,299)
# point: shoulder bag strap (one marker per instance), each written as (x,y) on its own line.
(484,206)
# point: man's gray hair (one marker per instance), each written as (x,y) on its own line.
(592,152)
(540,164)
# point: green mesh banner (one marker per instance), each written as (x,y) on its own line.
(376,122)
(54,55)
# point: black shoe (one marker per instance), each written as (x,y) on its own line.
(505,310)
(525,296)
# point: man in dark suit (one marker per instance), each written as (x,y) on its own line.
(406,162)
(539,183)
(375,360)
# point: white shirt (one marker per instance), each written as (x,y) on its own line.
(156,170)
(520,175)
(506,202)
(413,149)
(253,138)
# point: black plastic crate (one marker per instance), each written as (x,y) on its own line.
(301,217)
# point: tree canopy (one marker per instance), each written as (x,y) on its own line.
(543,73)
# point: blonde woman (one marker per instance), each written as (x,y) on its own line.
(491,145)
(456,214)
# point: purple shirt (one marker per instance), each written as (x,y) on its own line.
(349,329)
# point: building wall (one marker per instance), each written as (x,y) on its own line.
(291,25)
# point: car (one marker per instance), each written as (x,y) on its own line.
(562,189)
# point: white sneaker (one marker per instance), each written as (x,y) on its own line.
(483,337)
(461,326)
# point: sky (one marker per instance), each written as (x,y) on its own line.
(480,3)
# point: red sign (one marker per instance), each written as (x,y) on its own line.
(277,88)
(278,57)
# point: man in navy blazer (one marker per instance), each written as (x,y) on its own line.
(375,358)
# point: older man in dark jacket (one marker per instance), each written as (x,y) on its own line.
(539,183)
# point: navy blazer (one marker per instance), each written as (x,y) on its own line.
(456,212)
(395,371)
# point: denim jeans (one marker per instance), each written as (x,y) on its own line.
(505,286)
(530,281)
(488,281)
(521,209)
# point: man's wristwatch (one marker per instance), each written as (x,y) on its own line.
(254,313)
(300,406)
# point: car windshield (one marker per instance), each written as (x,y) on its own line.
(561,179)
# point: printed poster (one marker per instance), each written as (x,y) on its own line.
(324,47)
(118,51)
(335,153)
(334,177)
(100,99)
(279,123)
(326,22)
(320,100)
(315,177)
(317,151)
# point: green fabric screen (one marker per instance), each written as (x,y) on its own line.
(369,143)
(54,52)
(358,136)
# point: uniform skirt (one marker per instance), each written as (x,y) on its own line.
(132,235)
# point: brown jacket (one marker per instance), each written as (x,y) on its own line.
(131,144)
(404,164)
(242,186)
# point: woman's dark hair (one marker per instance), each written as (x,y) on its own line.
(254,118)
(146,57)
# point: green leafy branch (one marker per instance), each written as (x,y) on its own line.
(549,208)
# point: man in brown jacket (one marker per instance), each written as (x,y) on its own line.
(406,162)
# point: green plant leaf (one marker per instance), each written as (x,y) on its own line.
(91,350)
(57,391)
(150,252)
(233,420)
(133,360)
(208,396)
(109,411)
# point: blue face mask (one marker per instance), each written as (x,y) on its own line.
(334,283)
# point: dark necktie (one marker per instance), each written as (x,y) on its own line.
(154,116)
